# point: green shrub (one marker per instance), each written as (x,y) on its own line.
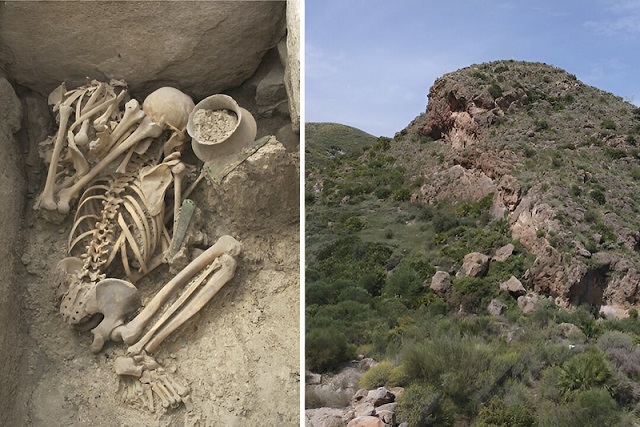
(402,194)
(382,192)
(591,408)
(355,293)
(326,349)
(540,124)
(608,124)
(495,90)
(403,283)
(355,223)
(457,365)
(372,282)
(584,372)
(498,413)
(309,197)
(376,376)
(633,313)
(421,406)
(575,190)
(598,196)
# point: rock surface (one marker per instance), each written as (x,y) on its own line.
(513,286)
(11,191)
(496,307)
(194,45)
(475,264)
(441,283)
(503,253)
(292,64)
(366,421)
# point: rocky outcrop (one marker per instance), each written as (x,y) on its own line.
(461,114)
(193,45)
(12,194)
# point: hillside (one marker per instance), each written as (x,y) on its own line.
(534,173)
(326,143)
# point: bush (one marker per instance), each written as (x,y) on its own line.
(421,405)
(495,90)
(326,349)
(355,223)
(382,192)
(403,283)
(459,366)
(608,124)
(598,196)
(592,408)
(402,194)
(376,376)
(584,372)
(498,413)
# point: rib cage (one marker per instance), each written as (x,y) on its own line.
(112,221)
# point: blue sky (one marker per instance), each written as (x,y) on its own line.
(370,63)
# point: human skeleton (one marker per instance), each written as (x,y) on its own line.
(119,164)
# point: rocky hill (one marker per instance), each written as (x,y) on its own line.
(560,159)
(515,193)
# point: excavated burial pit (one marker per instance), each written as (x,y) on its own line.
(242,349)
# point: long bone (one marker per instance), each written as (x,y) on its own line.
(130,333)
(80,164)
(100,124)
(107,102)
(46,199)
(133,114)
(189,303)
(146,129)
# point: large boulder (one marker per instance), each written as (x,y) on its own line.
(380,396)
(475,264)
(441,283)
(368,421)
(496,307)
(513,286)
(503,253)
(203,47)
